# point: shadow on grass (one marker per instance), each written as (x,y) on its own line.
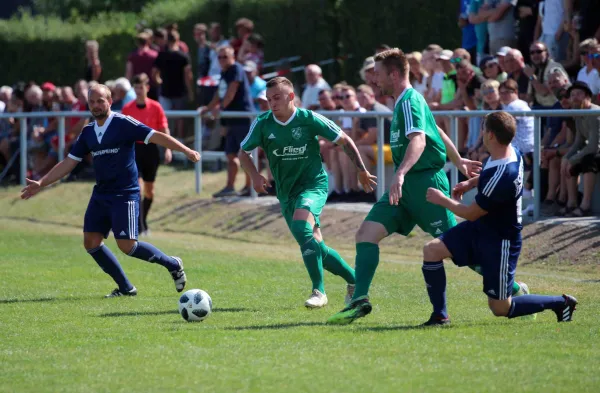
(277,326)
(166,312)
(43,299)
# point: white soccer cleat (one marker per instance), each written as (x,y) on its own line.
(316,299)
(349,294)
(179,276)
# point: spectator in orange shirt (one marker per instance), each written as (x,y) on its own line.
(147,157)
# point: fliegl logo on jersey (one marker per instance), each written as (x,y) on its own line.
(394,136)
(291,152)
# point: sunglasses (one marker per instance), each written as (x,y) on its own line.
(338,97)
(593,55)
(222,57)
(490,65)
(485,92)
(503,92)
(345,97)
(455,60)
(537,51)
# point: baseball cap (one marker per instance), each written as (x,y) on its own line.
(262,95)
(367,65)
(250,66)
(579,85)
(446,54)
(48,86)
(503,51)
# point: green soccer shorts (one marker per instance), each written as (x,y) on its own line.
(413,208)
(313,200)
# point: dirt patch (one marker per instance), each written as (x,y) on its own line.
(562,244)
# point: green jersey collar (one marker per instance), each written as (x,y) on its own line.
(288,120)
(402,94)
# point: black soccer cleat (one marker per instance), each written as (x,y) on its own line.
(117,293)
(436,320)
(565,312)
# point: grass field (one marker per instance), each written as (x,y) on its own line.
(57,333)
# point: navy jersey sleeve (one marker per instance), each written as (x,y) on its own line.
(79,148)
(496,188)
(135,131)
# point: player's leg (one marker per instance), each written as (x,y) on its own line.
(124,216)
(382,220)
(302,228)
(148,198)
(149,177)
(140,163)
(335,264)
(499,272)
(434,274)
(96,226)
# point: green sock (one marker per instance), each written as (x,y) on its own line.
(335,264)
(367,259)
(311,254)
(477,269)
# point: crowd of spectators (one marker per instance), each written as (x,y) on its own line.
(516,55)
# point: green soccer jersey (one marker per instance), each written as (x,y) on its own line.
(412,114)
(293,149)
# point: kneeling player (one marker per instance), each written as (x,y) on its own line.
(289,137)
(491,236)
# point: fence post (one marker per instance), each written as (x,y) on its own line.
(23,143)
(198,148)
(61,138)
(380,158)
(454,138)
(537,136)
(256,162)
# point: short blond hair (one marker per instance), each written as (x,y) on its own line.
(490,84)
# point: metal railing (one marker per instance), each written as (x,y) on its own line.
(380,116)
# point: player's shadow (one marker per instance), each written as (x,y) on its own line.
(166,312)
(42,299)
(277,326)
(393,328)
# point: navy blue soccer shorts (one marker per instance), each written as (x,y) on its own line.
(469,245)
(117,212)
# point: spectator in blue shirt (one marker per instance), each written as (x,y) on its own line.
(469,37)
(257,84)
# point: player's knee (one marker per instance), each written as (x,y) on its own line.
(149,190)
(499,308)
(91,242)
(434,250)
(126,245)
(302,231)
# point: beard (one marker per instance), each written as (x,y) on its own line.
(99,115)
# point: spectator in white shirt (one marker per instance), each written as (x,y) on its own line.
(5,95)
(418,75)
(588,73)
(314,84)
(509,95)
(550,28)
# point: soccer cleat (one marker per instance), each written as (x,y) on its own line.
(436,320)
(179,275)
(524,290)
(349,293)
(357,309)
(565,312)
(118,293)
(316,299)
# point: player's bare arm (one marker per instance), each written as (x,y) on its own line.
(214,103)
(59,171)
(415,148)
(467,167)
(168,153)
(367,180)
(169,142)
(469,212)
(462,187)
(258,181)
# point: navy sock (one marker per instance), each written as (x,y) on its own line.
(435,280)
(532,304)
(148,252)
(109,263)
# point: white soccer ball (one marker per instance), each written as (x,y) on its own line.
(195,305)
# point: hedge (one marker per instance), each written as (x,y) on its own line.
(37,48)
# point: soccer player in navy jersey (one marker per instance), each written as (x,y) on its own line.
(491,235)
(114,204)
